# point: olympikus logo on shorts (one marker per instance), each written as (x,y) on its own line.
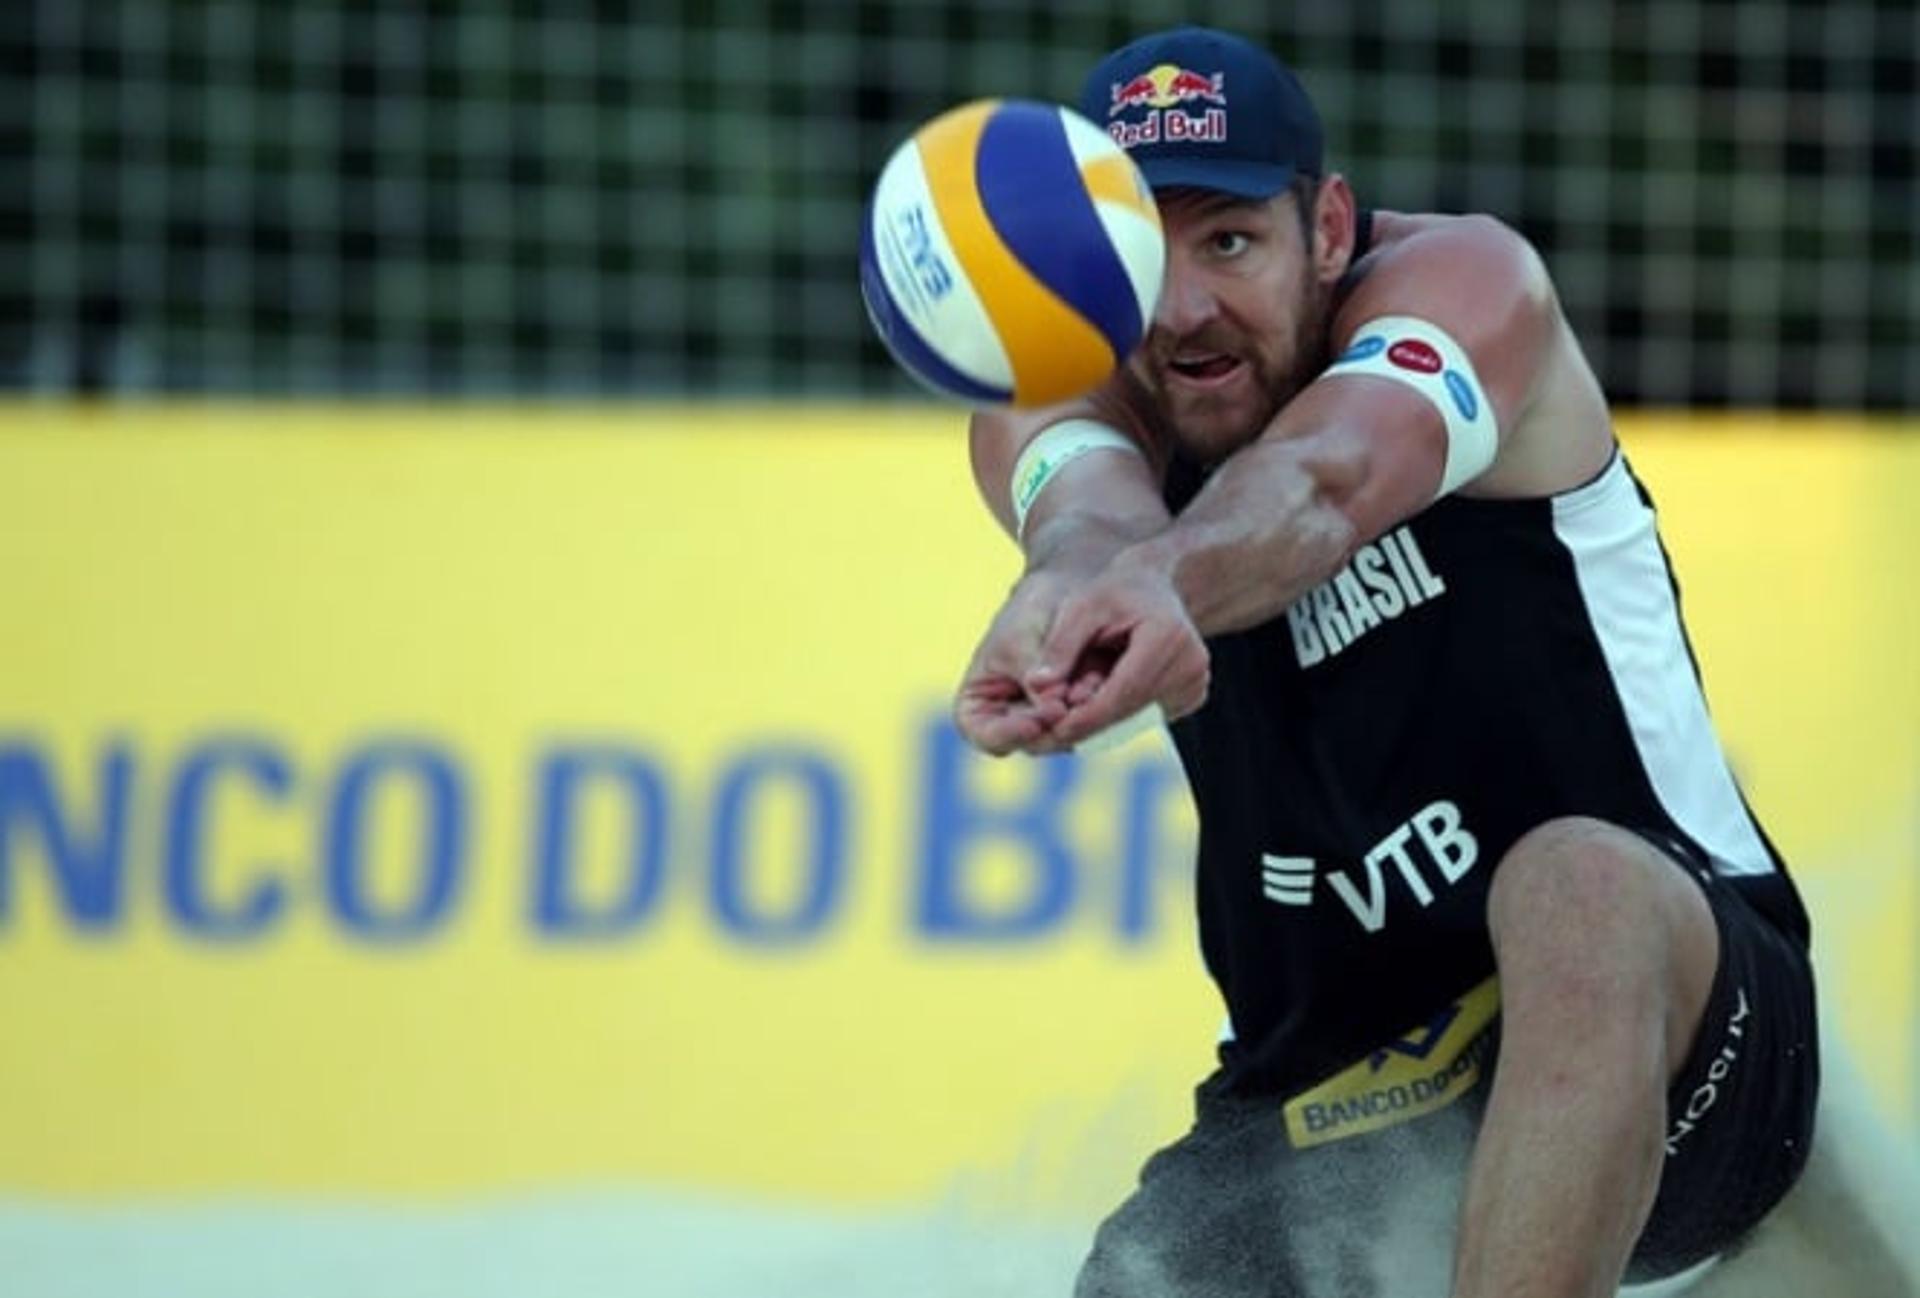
(1707,1094)
(1383,580)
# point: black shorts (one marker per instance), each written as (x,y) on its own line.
(1740,1112)
(1234,1208)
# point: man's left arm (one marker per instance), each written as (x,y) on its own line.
(1357,451)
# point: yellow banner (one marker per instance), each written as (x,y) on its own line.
(408,800)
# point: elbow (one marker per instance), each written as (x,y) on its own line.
(1330,538)
(1329,520)
(1342,489)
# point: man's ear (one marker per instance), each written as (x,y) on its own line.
(1335,227)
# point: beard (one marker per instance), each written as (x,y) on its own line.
(1208,424)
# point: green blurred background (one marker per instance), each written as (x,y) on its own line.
(563,199)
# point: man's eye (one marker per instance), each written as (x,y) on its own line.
(1228,243)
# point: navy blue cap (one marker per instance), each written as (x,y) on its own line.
(1195,106)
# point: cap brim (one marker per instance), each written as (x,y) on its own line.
(1241,179)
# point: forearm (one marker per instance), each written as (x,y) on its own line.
(1268,527)
(1081,543)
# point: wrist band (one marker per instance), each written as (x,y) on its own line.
(1425,357)
(1056,447)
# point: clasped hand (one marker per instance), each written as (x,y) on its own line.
(1069,655)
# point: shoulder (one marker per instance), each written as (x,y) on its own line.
(1476,233)
(1472,277)
(1467,274)
(1481,282)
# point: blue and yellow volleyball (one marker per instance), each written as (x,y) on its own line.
(1011,255)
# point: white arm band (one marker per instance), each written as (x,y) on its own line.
(1053,450)
(1425,357)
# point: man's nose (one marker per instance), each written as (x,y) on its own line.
(1185,301)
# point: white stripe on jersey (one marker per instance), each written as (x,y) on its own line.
(1630,604)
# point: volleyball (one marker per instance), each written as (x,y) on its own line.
(1011,254)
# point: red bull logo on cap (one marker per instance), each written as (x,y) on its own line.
(1163,91)
(1167,85)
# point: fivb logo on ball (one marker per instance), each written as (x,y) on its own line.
(1164,91)
(1012,254)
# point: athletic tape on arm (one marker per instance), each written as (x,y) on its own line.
(1053,450)
(1425,357)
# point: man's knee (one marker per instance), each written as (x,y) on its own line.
(1588,914)
(1577,875)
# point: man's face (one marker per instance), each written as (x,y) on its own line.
(1241,325)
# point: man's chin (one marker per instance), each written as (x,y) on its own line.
(1208,431)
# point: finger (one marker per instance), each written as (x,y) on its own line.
(1079,624)
(1055,694)
(1008,656)
(1045,678)
(1180,692)
(990,687)
(1006,692)
(999,734)
(984,705)
(1046,745)
(1011,645)
(1046,711)
(1151,654)
(1180,687)
(1084,686)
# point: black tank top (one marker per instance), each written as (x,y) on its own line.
(1366,758)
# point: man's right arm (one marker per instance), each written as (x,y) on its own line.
(1089,510)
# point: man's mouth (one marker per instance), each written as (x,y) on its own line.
(1203,367)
